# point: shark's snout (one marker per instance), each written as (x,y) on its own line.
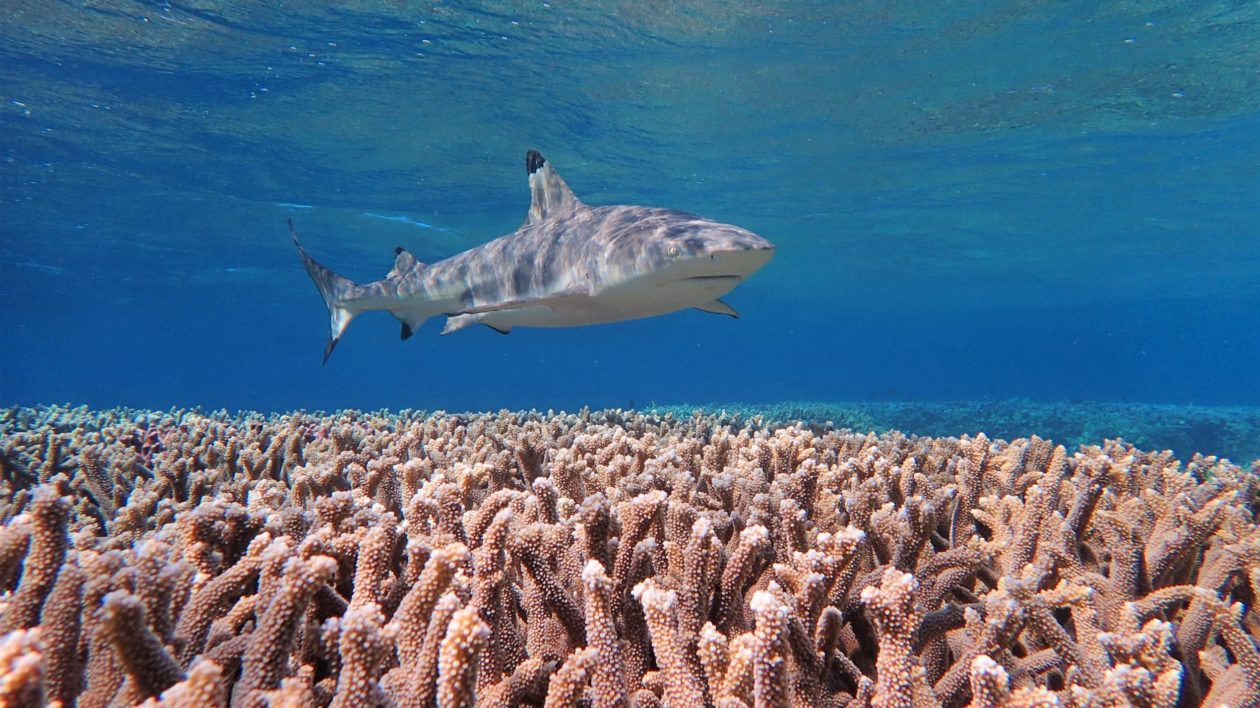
(742,262)
(732,251)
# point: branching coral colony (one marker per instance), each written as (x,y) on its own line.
(610,559)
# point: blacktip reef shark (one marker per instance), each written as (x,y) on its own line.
(568,265)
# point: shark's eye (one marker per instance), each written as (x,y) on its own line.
(673,251)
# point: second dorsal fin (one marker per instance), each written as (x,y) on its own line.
(549,195)
(403,262)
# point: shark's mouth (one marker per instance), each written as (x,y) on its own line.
(713,277)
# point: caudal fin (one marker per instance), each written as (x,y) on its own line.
(335,290)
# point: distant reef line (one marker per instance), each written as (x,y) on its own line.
(1226,431)
(1231,432)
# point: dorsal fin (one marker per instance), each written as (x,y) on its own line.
(403,262)
(549,195)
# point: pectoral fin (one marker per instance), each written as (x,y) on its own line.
(457,322)
(718,307)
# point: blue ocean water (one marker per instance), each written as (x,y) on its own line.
(971,201)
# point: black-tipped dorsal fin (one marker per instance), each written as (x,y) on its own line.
(403,262)
(549,195)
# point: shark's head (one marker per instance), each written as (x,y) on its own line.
(687,248)
(645,245)
(685,260)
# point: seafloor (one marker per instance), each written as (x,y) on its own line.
(611,559)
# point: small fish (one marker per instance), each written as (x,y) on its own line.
(568,265)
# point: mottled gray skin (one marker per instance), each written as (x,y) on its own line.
(568,265)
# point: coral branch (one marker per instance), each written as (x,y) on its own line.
(608,684)
(21,669)
(660,607)
(266,660)
(457,664)
(902,682)
(50,514)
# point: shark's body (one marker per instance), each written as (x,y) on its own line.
(568,265)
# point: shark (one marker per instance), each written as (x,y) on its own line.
(568,265)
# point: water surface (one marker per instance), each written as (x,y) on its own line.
(975,201)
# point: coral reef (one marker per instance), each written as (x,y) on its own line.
(611,559)
(1228,431)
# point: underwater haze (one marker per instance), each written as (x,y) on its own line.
(979,201)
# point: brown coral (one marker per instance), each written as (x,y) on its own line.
(612,559)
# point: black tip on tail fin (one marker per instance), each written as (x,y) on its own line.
(328,349)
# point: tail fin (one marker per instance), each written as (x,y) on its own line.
(335,291)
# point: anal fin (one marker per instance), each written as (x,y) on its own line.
(718,307)
(500,330)
(410,320)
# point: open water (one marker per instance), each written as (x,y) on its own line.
(975,201)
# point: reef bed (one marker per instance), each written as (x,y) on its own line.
(611,559)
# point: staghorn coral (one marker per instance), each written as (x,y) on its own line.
(49,515)
(902,679)
(681,683)
(611,559)
(21,668)
(364,649)
(150,668)
(604,641)
(466,637)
